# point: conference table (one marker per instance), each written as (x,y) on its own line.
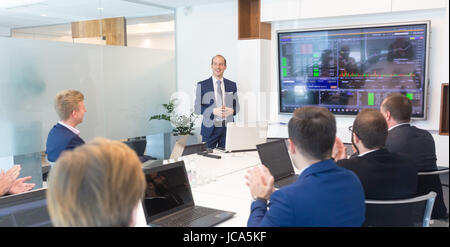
(219,184)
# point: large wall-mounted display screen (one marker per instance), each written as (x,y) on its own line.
(349,69)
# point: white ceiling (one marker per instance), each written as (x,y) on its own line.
(32,13)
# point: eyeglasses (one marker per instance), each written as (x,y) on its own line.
(350,128)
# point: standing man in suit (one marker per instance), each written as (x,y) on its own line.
(323,195)
(417,144)
(69,104)
(384,175)
(216,99)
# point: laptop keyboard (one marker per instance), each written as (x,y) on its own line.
(185,218)
(285,181)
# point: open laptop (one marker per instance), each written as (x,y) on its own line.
(168,200)
(27,209)
(178,148)
(244,137)
(137,145)
(177,152)
(274,155)
(195,148)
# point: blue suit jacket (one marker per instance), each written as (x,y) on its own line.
(324,195)
(60,139)
(205,103)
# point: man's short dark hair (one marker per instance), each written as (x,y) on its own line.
(218,55)
(313,131)
(371,127)
(399,106)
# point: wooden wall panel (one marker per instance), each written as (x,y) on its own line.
(113,29)
(249,23)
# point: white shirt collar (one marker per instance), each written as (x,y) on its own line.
(77,132)
(368,152)
(395,126)
(302,170)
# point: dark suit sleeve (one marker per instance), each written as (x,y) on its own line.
(235,102)
(74,142)
(198,99)
(279,213)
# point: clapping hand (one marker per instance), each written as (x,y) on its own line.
(260,182)
(339,150)
(8,179)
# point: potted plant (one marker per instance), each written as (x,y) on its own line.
(183,124)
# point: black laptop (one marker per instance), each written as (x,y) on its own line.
(194,148)
(25,210)
(168,200)
(274,155)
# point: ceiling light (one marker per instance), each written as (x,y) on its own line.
(44,15)
(100,8)
(17,3)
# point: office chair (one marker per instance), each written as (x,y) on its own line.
(430,181)
(138,144)
(413,212)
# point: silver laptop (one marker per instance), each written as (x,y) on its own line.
(177,152)
(178,148)
(244,137)
(168,200)
(274,155)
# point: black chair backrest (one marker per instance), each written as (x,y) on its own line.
(430,181)
(399,213)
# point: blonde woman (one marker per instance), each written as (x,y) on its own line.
(96,184)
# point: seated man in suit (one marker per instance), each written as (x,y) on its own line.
(216,99)
(384,175)
(324,194)
(418,144)
(69,105)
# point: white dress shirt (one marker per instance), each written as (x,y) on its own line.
(77,132)
(395,126)
(368,152)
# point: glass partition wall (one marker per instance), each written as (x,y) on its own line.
(46,49)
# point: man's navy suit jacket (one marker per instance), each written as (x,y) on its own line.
(205,103)
(323,195)
(60,139)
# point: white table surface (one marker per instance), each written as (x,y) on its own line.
(225,188)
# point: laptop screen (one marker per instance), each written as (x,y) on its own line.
(274,155)
(25,210)
(195,148)
(167,191)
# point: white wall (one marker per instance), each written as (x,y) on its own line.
(212,29)
(206,31)
(5,31)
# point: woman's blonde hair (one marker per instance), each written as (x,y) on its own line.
(66,102)
(96,184)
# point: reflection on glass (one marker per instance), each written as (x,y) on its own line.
(123,86)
